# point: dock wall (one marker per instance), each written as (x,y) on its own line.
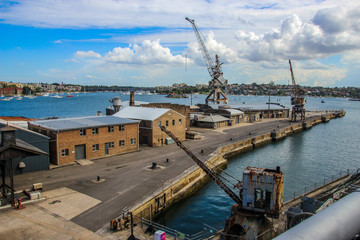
(193,178)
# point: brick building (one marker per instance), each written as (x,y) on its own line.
(10,91)
(182,109)
(150,121)
(88,137)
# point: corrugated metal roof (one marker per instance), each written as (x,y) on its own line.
(4,123)
(214,118)
(141,113)
(234,111)
(63,124)
(257,107)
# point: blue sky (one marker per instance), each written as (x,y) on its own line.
(149,43)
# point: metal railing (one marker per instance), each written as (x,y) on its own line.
(208,231)
(318,184)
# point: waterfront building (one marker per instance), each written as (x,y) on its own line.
(256,112)
(179,108)
(150,121)
(235,116)
(11,91)
(88,137)
(213,121)
(30,140)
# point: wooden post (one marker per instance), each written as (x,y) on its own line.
(11,175)
(3,186)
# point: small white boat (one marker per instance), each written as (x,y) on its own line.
(18,98)
(56,96)
(45,94)
(6,99)
(30,96)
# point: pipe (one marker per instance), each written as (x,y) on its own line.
(338,221)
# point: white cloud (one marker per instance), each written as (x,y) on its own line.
(90,76)
(148,53)
(88,54)
(351,58)
(332,31)
(227,55)
(162,13)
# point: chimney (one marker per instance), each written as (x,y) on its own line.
(99,113)
(7,136)
(132,99)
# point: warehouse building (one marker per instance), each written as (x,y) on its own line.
(235,116)
(150,121)
(213,121)
(255,112)
(88,137)
(29,139)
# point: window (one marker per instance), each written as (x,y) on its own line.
(110,128)
(111,144)
(173,122)
(122,143)
(167,123)
(159,123)
(121,127)
(95,131)
(82,132)
(95,147)
(64,152)
(132,140)
(179,121)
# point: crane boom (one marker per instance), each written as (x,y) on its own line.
(203,166)
(208,61)
(293,80)
(214,70)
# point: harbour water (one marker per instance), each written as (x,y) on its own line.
(305,157)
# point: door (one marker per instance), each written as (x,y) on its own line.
(80,152)
(145,140)
(107,146)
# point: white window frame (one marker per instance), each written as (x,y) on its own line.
(65,152)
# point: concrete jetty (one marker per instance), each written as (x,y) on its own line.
(128,181)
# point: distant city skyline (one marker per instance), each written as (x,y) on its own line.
(149,43)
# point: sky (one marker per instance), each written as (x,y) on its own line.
(149,43)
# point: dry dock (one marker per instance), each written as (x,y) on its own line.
(129,183)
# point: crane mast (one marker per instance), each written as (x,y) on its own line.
(297,99)
(216,95)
